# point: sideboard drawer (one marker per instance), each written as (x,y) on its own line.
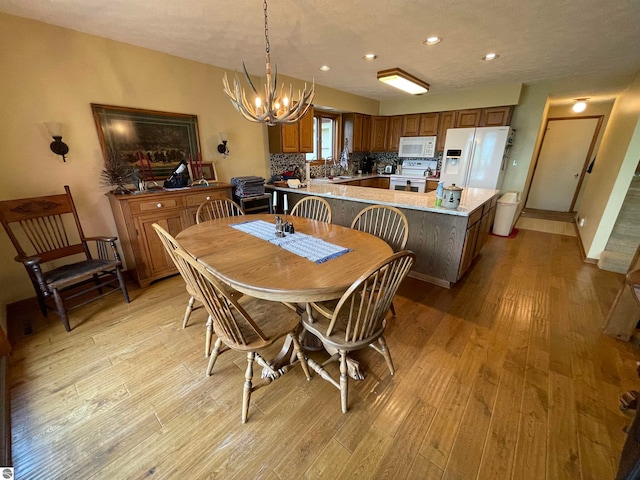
(156,204)
(201,197)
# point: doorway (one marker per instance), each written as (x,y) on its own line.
(566,151)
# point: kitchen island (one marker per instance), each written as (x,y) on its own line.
(445,240)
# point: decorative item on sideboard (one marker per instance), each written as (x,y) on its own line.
(117,173)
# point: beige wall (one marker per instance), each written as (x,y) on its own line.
(54,74)
(489,96)
(616,162)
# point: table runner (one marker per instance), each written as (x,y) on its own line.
(311,248)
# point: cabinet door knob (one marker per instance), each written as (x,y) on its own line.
(159,205)
(208,198)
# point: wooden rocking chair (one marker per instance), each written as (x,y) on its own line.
(44,229)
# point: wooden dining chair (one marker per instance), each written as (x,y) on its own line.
(314,208)
(247,328)
(357,320)
(171,245)
(387,223)
(47,229)
(219,208)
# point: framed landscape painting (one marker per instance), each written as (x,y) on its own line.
(156,141)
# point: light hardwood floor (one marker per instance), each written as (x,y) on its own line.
(505,376)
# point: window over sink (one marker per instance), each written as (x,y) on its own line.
(325,136)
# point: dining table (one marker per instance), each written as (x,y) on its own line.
(245,253)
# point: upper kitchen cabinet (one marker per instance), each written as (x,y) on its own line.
(357,130)
(379,127)
(295,138)
(447,121)
(429,124)
(411,125)
(393,133)
(496,116)
(468,118)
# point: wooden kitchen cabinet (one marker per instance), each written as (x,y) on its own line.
(393,133)
(357,130)
(379,127)
(447,121)
(468,118)
(431,185)
(294,138)
(411,125)
(496,116)
(382,182)
(429,124)
(173,210)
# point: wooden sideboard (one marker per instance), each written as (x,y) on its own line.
(173,210)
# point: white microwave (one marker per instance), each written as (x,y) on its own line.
(417,147)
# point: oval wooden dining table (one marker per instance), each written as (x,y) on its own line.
(260,269)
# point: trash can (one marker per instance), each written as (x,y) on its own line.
(505,214)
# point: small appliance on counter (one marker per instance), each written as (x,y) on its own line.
(366,164)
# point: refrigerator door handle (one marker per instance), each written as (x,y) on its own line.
(467,173)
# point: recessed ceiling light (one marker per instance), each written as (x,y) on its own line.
(432,41)
(369,57)
(490,56)
(580,105)
(325,68)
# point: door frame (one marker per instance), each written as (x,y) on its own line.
(594,140)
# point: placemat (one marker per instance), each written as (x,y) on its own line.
(306,246)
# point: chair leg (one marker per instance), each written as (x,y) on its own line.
(386,354)
(300,354)
(248,386)
(123,287)
(214,356)
(61,310)
(96,280)
(188,311)
(393,310)
(344,381)
(208,335)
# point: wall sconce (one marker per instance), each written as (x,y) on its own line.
(580,105)
(222,148)
(57,146)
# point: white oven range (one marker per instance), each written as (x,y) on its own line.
(414,176)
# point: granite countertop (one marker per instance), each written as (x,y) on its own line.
(470,200)
(361,176)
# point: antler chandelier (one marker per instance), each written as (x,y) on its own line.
(272,107)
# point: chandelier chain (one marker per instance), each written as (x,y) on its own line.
(266,26)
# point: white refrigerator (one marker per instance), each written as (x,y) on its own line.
(476,157)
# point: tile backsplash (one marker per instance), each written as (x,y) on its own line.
(279,163)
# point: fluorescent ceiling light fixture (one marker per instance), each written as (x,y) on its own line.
(370,57)
(580,105)
(432,41)
(490,56)
(403,80)
(325,68)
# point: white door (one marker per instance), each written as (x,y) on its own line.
(561,161)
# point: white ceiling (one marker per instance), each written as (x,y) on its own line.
(536,39)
